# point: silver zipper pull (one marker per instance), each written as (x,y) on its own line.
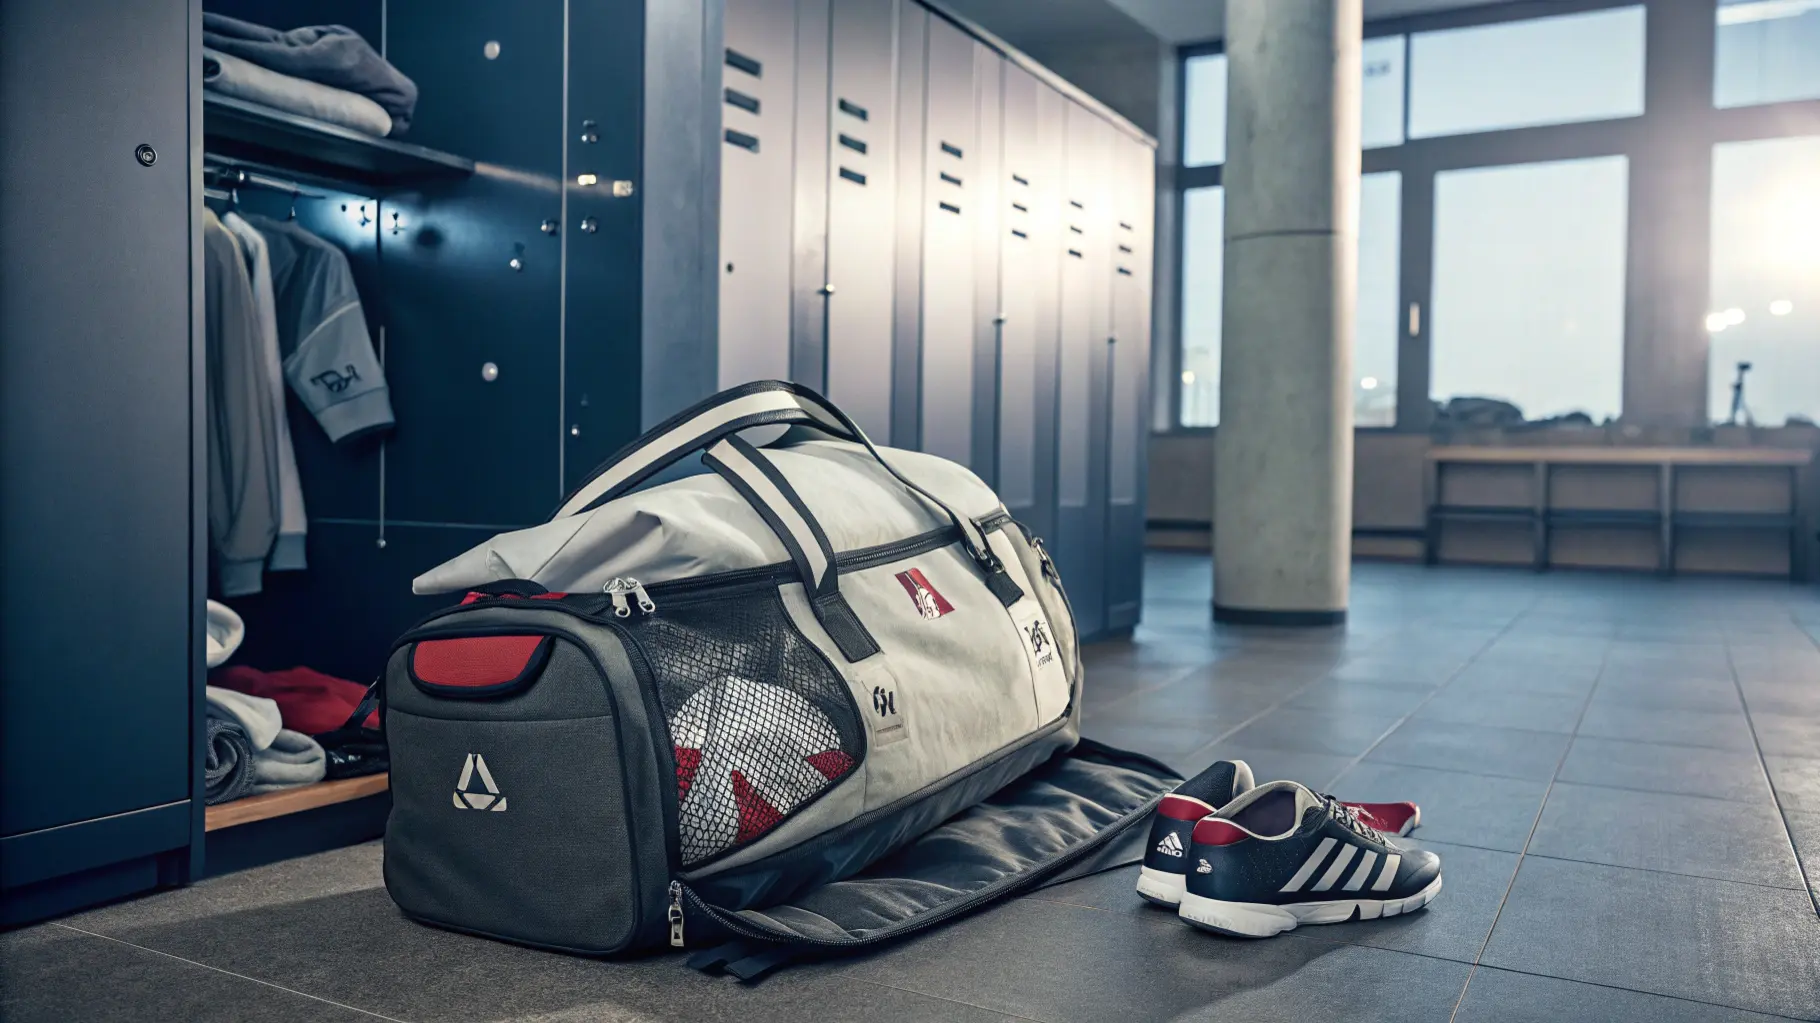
(617,589)
(645,603)
(1042,552)
(676,915)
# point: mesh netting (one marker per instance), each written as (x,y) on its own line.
(760,721)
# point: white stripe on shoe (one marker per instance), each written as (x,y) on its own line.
(1310,865)
(1391,863)
(1347,852)
(1357,880)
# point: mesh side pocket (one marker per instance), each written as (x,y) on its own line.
(761,723)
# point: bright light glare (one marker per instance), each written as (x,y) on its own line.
(1715,322)
(1781,307)
(1734,316)
(1188,376)
(1369,383)
(586,179)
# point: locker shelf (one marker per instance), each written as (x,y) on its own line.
(297,800)
(237,129)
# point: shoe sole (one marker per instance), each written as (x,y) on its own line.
(1260,920)
(1161,887)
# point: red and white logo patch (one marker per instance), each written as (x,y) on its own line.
(929,602)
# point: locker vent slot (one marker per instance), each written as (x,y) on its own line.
(950,207)
(1124,272)
(853,109)
(1076,253)
(1076,230)
(1020,179)
(951,150)
(852,175)
(742,140)
(1076,205)
(1020,207)
(740,99)
(1020,234)
(1124,225)
(852,143)
(1126,249)
(951,179)
(736,59)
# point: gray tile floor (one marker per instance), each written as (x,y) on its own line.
(1621,774)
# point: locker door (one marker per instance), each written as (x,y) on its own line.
(756,185)
(862,210)
(906,326)
(950,185)
(1132,179)
(988,315)
(1081,388)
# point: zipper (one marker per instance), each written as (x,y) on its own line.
(680,893)
(619,588)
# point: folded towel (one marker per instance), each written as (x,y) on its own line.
(258,717)
(231,76)
(291,760)
(227,770)
(225,632)
(334,55)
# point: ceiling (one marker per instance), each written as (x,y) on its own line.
(1032,23)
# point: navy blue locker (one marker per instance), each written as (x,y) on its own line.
(1081,411)
(1132,177)
(862,210)
(758,79)
(950,175)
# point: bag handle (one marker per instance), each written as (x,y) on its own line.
(761,403)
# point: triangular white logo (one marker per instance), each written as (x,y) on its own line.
(487,797)
(1170,845)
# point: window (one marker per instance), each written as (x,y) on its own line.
(1376,322)
(1766,278)
(1381,96)
(1528,291)
(1580,67)
(1766,51)
(1203,264)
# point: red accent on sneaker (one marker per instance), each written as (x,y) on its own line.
(1214,831)
(1183,808)
(1390,818)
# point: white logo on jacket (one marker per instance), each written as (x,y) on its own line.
(487,797)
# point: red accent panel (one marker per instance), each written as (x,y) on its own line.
(1389,818)
(928,600)
(1183,808)
(688,761)
(1215,831)
(473,661)
(831,763)
(472,596)
(755,815)
(548,596)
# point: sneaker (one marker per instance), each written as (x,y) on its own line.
(1161,878)
(1281,855)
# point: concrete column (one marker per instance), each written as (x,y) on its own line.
(1282,514)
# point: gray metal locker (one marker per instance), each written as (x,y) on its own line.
(985,186)
(951,170)
(862,210)
(1132,178)
(906,333)
(756,183)
(1079,546)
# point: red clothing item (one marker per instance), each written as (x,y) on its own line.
(309,701)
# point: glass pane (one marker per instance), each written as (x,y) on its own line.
(1381,95)
(1766,277)
(1579,67)
(1203,262)
(1767,51)
(1204,122)
(1374,354)
(1528,300)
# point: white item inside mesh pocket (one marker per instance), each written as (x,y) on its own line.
(747,753)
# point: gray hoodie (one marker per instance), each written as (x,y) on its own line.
(242,429)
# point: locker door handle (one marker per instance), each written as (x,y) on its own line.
(826,289)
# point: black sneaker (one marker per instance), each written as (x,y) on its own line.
(1281,855)
(1166,857)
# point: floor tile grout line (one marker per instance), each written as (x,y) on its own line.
(1534,823)
(1640,991)
(229,973)
(1645,792)
(1667,873)
(1808,880)
(955,1001)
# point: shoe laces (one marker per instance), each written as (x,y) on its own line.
(1350,817)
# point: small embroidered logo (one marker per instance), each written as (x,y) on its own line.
(929,602)
(1171,845)
(1204,868)
(487,797)
(884,701)
(336,380)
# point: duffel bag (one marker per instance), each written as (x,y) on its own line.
(669,712)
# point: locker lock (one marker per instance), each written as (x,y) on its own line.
(489,371)
(590,132)
(590,225)
(549,227)
(827,289)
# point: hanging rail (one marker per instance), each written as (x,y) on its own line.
(227,177)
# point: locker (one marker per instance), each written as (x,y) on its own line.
(1133,200)
(988,315)
(862,213)
(1083,370)
(1029,268)
(906,329)
(757,120)
(951,169)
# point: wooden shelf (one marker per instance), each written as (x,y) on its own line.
(308,797)
(235,128)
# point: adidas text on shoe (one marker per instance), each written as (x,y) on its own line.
(1282,855)
(1165,857)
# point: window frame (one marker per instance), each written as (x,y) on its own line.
(1679,118)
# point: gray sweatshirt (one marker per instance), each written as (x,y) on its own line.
(244,497)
